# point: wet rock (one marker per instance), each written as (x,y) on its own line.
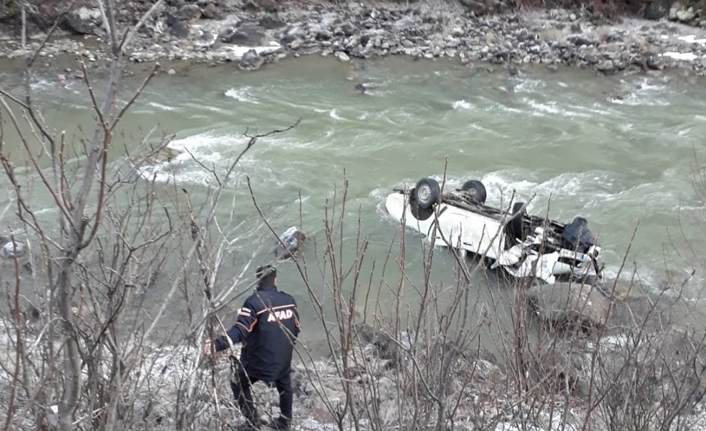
(565,306)
(679,12)
(247,35)
(658,9)
(190,12)
(323,35)
(605,66)
(591,59)
(581,40)
(405,23)
(342,56)
(180,29)
(293,239)
(210,11)
(84,20)
(348,28)
(251,60)
(271,22)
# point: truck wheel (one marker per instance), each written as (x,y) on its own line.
(475,190)
(428,193)
(514,227)
(418,212)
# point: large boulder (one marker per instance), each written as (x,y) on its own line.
(681,12)
(569,306)
(84,20)
(180,29)
(658,9)
(190,12)
(271,22)
(245,35)
(251,60)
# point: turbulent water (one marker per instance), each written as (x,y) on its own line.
(618,151)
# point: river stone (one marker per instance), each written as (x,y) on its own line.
(180,29)
(569,306)
(581,40)
(342,56)
(658,9)
(210,11)
(348,28)
(190,12)
(679,12)
(246,35)
(84,20)
(605,66)
(323,35)
(405,22)
(686,15)
(271,22)
(251,60)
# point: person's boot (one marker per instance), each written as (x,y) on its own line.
(282,424)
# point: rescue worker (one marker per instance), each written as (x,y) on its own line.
(268,326)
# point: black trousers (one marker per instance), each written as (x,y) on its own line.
(243,395)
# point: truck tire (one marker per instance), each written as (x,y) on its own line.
(475,190)
(428,193)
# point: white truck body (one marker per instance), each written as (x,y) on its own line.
(473,229)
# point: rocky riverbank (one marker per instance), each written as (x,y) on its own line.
(619,348)
(250,37)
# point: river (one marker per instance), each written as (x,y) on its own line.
(615,150)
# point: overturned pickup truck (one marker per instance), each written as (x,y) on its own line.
(521,244)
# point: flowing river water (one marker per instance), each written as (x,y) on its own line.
(615,150)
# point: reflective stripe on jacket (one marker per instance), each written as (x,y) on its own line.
(268,326)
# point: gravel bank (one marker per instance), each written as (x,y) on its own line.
(251,39)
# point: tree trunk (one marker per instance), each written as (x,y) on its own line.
(72,359)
